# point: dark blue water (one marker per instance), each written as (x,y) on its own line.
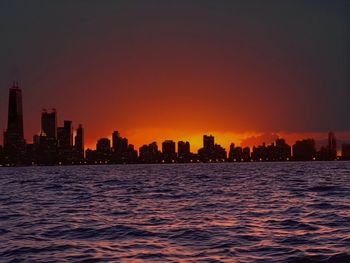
(249,212)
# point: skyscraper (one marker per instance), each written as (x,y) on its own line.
(183,149)
(79,141)
(65,135)
(14,144)
(49,123)
(208,142)
(168,150)
(304,150)
(332,146)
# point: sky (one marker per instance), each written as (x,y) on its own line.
(241,70)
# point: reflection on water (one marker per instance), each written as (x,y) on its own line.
(249,212)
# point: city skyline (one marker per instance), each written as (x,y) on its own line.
(56,145)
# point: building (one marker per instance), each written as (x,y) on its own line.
(46,151)
(2,161)
(103,153)
(122,151)
(259,153)
(184,152)
(208,142)
(103,145)
(79,143)
(345,151)
(239,154)
(332,147)
(65,135)
(65,143)
(14,143)
(49,123)
(282,151)
(149,153)
(211,152)
(304,150)
(168,151)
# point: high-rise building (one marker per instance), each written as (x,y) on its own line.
(15,112)
(332,146)
(211,152)
(14,144)
(79,141)
(183,149)
(49,123)
(345,151)
(103,145)
(168,151)
(149,153)
(119,144)
(65,135)
(116,141)
(304,150)
(208,142)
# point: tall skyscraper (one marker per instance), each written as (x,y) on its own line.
(103,145)
(49,123)
(208,142)
(332,146)
(168,151)
(183,148)
(65,135)
(15,112)
(79,141)
(116,141)
(14,144)
(183,151)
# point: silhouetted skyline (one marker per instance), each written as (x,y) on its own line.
(58,146)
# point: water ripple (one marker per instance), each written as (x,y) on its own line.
(249,212)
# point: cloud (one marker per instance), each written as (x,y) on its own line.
(258,140)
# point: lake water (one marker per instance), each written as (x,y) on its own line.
(248,212)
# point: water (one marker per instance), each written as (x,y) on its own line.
(249,212)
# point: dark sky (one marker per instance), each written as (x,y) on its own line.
(171,67)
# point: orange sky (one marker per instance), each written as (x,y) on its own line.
(161,70)
(250,139)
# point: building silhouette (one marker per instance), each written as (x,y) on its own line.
(211,152)
(65,135)
(14,143)
(65,143)
(103,145)
(149,153)
(168,151)
(238,154)
(328,152)
(304,150)
(79,143)
(120,148)
(122,151)
(184,154)
(46,152)
(345,151)
(49,123)
(117,152)
(282,151)
(103,153)
(208,142)
(2,155)
(332,146)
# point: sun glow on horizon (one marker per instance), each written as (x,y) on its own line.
(142,136)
